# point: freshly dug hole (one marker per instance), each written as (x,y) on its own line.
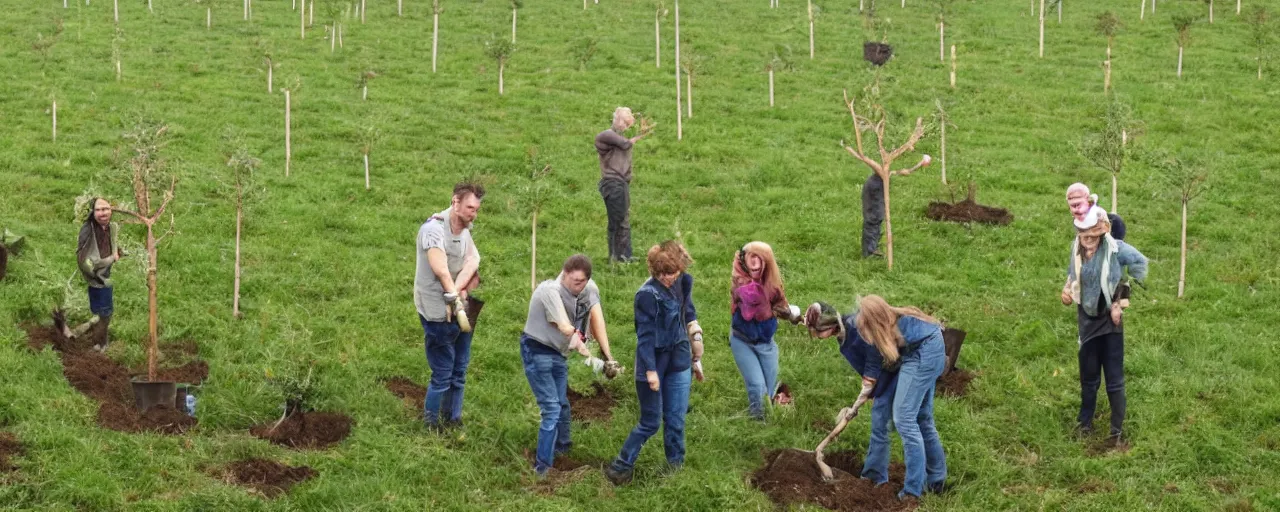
(968,211)
(267,477)
(791,476)
(954,383)
(9,447)
(876,53)
(306,430)
(412,394)
(594,407)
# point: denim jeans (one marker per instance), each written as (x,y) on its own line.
(448,354)
(758,364)
(913,415)
(876,465)
(617,205)
(1102,355)
(548,376)
(101,302)
(669,405)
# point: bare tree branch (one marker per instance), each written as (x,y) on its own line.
(911,142)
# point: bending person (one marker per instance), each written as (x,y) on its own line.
(758,300)
(668,352)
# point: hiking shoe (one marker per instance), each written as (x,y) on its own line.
(936,488)
(874,255)
(1083,431)
(617,477)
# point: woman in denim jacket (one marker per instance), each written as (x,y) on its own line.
(912,341)
(757,301)
(668,353)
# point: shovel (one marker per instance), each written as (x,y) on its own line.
(835,432)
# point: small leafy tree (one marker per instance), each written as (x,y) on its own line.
(584,50)
(1187,178)
(298,392)
(1108,26)
(117,41)
(692,63)
(1107,148)
(536,192)
(500,50)
(779,60)
(362,82)
(242,165)
(1210,2)
(145,139)
(944,120)
(1182,24)
(660,11)
(368,136)
(882,165)
(1260,32)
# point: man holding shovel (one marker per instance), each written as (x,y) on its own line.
(447,262)
(878,384)
(550,333)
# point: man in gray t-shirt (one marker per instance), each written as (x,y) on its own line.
(447,262)
(558,312)
(615,180)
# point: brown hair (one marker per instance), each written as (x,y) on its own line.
(878,324)
(577,262)
(667,258)
(461,190)
(770,277)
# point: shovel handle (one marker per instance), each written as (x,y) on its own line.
(835,432)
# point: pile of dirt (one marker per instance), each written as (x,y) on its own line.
(876,53)
(193,372)
(409,391)
(968,211)
(107,382)
(954,383)
(9,447)
(306,430)
(597,406)
(267,477)
(792,476)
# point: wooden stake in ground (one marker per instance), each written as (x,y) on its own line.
(953,66)
(1211,12)
(536,192)
(679,113)
(810,29)
(399,7)
(54,111)
(1108,25)
(115,8)
(1260,33)
(339,35)
(116,51)
(146,139)
(658,13)
(942,41)
(369,136)
(500,51)
(208,18)
(515,8)
(1107,148)
(1143,14)
(1042,29)
(363,83)
(1183,25)
(882,167)
(270,75)
(333,37)
(302,22)
(362,12)
(779,61)
(692,64)
(943,121)
(311,14)
(435,31)
(1153,7)
(288,135)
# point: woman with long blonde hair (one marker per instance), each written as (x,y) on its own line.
(912,341)
(757,301)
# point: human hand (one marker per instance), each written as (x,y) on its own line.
(576,342)
(652,377)
(1066,296)
(697,371)
(1116,313)
(1124,303)
(696,347)
(845,414)
(595,364)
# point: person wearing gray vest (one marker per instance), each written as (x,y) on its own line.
(447,262)
(551,332)
(97,250)
(615,180)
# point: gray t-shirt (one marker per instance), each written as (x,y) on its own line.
(553,304)
(428,292)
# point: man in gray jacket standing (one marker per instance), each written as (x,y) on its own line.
(615,180)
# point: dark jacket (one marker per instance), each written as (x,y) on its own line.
(661,315)
(866,359)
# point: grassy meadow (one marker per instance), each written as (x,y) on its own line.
(328,266)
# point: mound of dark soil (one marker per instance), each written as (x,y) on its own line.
(954,383)
(9,447)
(267,477)
(409,391)
(876,53)
(968,211)
(163,419)
(792,476)
(194,372)
(306,430)
(597,406)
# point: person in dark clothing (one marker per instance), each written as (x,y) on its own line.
(872,215)
(97,249)
(615,180)
(1093,283)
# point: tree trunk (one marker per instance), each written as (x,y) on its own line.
(235,293)
(311,14)
(435,38)
(366,171)
(1182,269)
(861,5)
(1042,29)
(657,42)
(501,67)
(117,70)
(1106,71)
(953,66)
(362,12)
(364,92)
(208,18)
(339,35)
(55,121)
(770,87)
(888,224)
(288,137)
(1179,61)
(1237,7)
(333,37)
(1060,12)
(1153,7)
(399,7)
(1211,11)
(942,138)
(270,79)
(513,25)
(1259,67)
(152,330)
(679,121)
(688,92)
(245,8)
(115,7)
(302,20)
(1142,15)
(1114,197)
(533,252)
(810,29)
(942,45)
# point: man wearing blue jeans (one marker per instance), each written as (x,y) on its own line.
(447,262)
(550,333)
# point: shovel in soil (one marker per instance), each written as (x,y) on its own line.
(835,432)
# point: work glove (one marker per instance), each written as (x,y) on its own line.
(595,364)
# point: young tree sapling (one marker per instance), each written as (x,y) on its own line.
(500,50)
(1187,178)
(1108,148)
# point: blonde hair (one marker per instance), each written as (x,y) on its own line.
(770,277)
(621,113)
(878,324)
(668,257)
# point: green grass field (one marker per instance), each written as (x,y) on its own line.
(328,266)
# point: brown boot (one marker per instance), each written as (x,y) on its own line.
(99,334)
